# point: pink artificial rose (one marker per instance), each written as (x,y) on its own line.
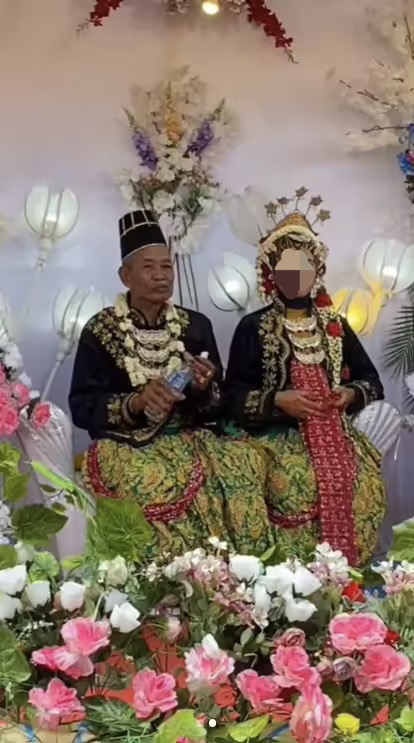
(83,637)
(9,420)
(46,658)
(40,415)
(21,394)
(207,666)
(261,692)
(173,629)
(382,668)
(292,637)
(54,703)
(292,668)
(350,632)
(5,396)
(311,720)
(153,693)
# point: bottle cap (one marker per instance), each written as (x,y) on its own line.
(204,355)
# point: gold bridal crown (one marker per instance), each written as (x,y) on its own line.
(290,219)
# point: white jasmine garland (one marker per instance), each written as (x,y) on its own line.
(132,363)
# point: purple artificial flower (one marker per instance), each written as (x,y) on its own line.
(145,150)
(202,138)
(406,162)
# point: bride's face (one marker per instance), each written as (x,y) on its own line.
(295,273)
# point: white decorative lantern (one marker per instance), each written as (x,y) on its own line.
(387,265)
(232,286)
(242,222)
(381,422)
(50,216)
(72,309)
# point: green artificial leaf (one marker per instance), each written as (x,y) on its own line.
(15,487)
(182,724)
(60,483)
(399,346)
(248,730)
(9,458)
(36,524)
(406,719)
(43,567)
(14,668)
(403,544)
(268,554)
(246,636)
(8,557)
(119,528)
(71,564)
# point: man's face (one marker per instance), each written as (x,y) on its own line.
(294,274)
(149,274)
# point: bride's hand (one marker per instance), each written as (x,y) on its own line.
(343,398)
(297,404)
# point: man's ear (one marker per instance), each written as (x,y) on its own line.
(123,275)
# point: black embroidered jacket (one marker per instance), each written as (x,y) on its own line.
(259,366)
(101,387)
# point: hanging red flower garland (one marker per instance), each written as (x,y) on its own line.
(260,14)
(101,11)
(257,13)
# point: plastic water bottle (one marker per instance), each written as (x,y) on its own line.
(178,380)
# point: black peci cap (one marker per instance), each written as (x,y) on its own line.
(139,230)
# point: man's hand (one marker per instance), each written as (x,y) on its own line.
(297,404)
(342,398)
(203,371)
(156,398)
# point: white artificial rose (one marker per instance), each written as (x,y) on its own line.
(262,599)
(125,618)
(305,582)
(114,598)
(298,610)
(38,593)
(9,606)
(245,567)
(25,552)
(278,579)
(12,580)
(117,571)
(210,647)
(72,595)
(174,628)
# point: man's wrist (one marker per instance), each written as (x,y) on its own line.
(134,404)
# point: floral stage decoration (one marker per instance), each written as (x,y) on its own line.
(177,138)
(257,12)
(385,97)
(206,645)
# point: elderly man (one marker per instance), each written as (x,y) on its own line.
(146,381)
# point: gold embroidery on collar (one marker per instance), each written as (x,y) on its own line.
(276,349)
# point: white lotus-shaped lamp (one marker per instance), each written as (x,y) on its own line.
(50,216)
(247,215)
(232,285)
(72,309)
